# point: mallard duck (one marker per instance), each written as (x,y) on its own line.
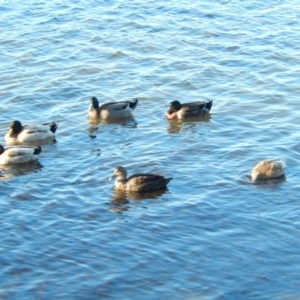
(139,182)
(18,154)
(30,133)
(268,169)
(111,110)
(188,110)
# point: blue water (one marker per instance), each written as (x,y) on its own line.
(67,234)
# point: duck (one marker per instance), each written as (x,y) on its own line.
(139,182)
(188,110)
(268,169)
(19,133)
(18,154)
(111,110)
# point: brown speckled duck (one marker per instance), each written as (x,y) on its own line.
(268,169)
(111,110)
(188,110)
(139,182)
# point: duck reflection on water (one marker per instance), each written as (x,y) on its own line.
(176,126)
(128,122)
(123,201)
(95,124)
(10,171)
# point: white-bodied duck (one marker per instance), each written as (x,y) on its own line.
(18,154)
(111,110)
(31,133)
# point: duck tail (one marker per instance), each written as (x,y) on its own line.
(168,180)
(133,103)
(209,104)
(53,127)
(37,150)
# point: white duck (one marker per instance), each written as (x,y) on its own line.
(268,169)
(18,154)
(111,110)
(19,133)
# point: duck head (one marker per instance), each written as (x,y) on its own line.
(120,173)
(174,106)
(15,128)
(94,103)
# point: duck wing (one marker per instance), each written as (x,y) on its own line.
(197,108)
(34,128)
(22,151)
(119,105)
(114,105)
(146,182)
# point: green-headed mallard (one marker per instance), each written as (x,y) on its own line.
(139,182)
(32,133)
(111,110)
(188,110)
(268,169)
(18,154)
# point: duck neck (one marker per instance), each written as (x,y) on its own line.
(122,178)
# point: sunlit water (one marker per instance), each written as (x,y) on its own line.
(67,234)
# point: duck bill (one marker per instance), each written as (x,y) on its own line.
(171,110)
(10,133)
(91,107)
(112,177)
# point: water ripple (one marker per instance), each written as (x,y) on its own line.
(67,232)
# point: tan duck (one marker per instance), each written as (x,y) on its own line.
(188,110)
(18,154)
(31,133)
(268,169)
(111,110)
(139,182)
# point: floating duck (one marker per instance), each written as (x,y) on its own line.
(268,169)
(18,154)
(30,133)
(188,110)
(111,110)
(139,182)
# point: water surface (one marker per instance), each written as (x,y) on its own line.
(213,234)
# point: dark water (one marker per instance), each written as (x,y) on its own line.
(213,234)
